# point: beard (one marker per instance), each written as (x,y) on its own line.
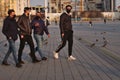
(28,14)
(14,16)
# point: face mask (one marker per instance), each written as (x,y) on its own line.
(14,16)
(28,14)
(68,10)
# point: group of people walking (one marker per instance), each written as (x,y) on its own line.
(23,27)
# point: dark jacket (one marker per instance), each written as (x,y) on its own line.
(41,28)
(10,28)
(65,23)
(24,25)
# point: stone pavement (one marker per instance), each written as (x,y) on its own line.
(96,33)
(93,63)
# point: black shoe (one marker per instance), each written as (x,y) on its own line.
(18,65)
(36,61)
(21,62)
(44,58)
(5,63)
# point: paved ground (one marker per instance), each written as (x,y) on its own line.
(110,31)
(93,63)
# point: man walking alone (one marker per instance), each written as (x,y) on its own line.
(66,33)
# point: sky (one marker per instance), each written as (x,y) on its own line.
(41,2)
(37,2)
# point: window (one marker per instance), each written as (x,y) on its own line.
(99,6)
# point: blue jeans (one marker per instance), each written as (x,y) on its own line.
(39,42)
(12,49)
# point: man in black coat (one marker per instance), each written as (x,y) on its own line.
(66,33)
(10,31)
(25,31)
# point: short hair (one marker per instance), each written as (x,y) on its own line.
(10,11)
(26,8)
(68,6)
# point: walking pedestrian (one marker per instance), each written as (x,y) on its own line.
(11,32)
(47,22)
(39,28)
(66,33)
(90,23)
(25,31)
(105,21)
(55,21)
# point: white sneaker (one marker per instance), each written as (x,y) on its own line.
(71,58)
(55,55)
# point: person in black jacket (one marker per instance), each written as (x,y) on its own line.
(10,31)
(66,33)
(25,31)
(39,28)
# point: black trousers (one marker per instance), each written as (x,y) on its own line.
(68,36)
(29,40)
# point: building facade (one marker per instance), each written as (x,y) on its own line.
(17,5)
(5,5)
(82,5)
(20,6)
(1,8)
(109,5)
(93,5)
(100,5)
(57,6)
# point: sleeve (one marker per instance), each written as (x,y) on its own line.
(20,22)
(5,29)
(46,29)
(62,20)
(32,24)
